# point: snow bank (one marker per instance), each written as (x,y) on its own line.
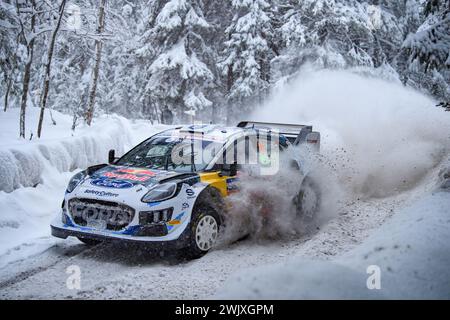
(34,174)
(412,251)
(22,163)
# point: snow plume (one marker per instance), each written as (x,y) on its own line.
(264,206)
(378,137)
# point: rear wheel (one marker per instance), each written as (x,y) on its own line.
(204,231)
(307,201)
(89,242)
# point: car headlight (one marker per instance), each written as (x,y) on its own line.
(160,192)
(75,181)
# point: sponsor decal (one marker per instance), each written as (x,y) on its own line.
(199,137)
(232,187)
(178,217)
(175,221)
(126,176)
(190,192)
(145,172)
(198,126)
(130,174)
(129,231)
(102,193)
(96,224)
(184,206)
(152,204)
(111,183)
(67,221)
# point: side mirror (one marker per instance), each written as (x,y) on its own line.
(111,156)
(229,170)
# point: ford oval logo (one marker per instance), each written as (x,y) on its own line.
(107,183)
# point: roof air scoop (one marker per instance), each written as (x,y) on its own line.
(198,128)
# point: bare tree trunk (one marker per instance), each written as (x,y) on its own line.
(8,89)
(213,113)
(98,57)
(158,115)
(76,115)
(27,71)
(74,121)
(46,86)
(229,86)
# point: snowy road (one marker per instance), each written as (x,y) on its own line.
(114,272)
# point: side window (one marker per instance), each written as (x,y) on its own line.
(236,152)
(226,154)
(249,152)
(247,155)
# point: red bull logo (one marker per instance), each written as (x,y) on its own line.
(138,171)
(133,174)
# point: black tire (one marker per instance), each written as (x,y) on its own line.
(307,202)
(200,214)
(89,242)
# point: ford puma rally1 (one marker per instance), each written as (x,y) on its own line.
(150,196)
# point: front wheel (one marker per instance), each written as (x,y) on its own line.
(204,231)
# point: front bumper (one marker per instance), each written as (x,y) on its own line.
(63,231)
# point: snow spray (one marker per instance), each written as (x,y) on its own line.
(379,138)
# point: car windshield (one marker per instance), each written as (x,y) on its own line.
(165,153)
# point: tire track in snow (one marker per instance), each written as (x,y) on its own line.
(23,269)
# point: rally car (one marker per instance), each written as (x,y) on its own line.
(170,189)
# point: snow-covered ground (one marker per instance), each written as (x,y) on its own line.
(411,252)
(388,158)
(131,273)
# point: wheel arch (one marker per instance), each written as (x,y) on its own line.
(211,197)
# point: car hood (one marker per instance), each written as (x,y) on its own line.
(122,177)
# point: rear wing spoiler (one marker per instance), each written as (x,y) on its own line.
(295,133)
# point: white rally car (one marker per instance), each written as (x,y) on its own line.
(147,197)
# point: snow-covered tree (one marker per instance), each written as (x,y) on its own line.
(72,71)
(11,53)
(429,49)
(161,58)
(248,53)
(27,17)
(48,63)
(334,34)
(431,43)
(97,61)
(126,80)
(178,75)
